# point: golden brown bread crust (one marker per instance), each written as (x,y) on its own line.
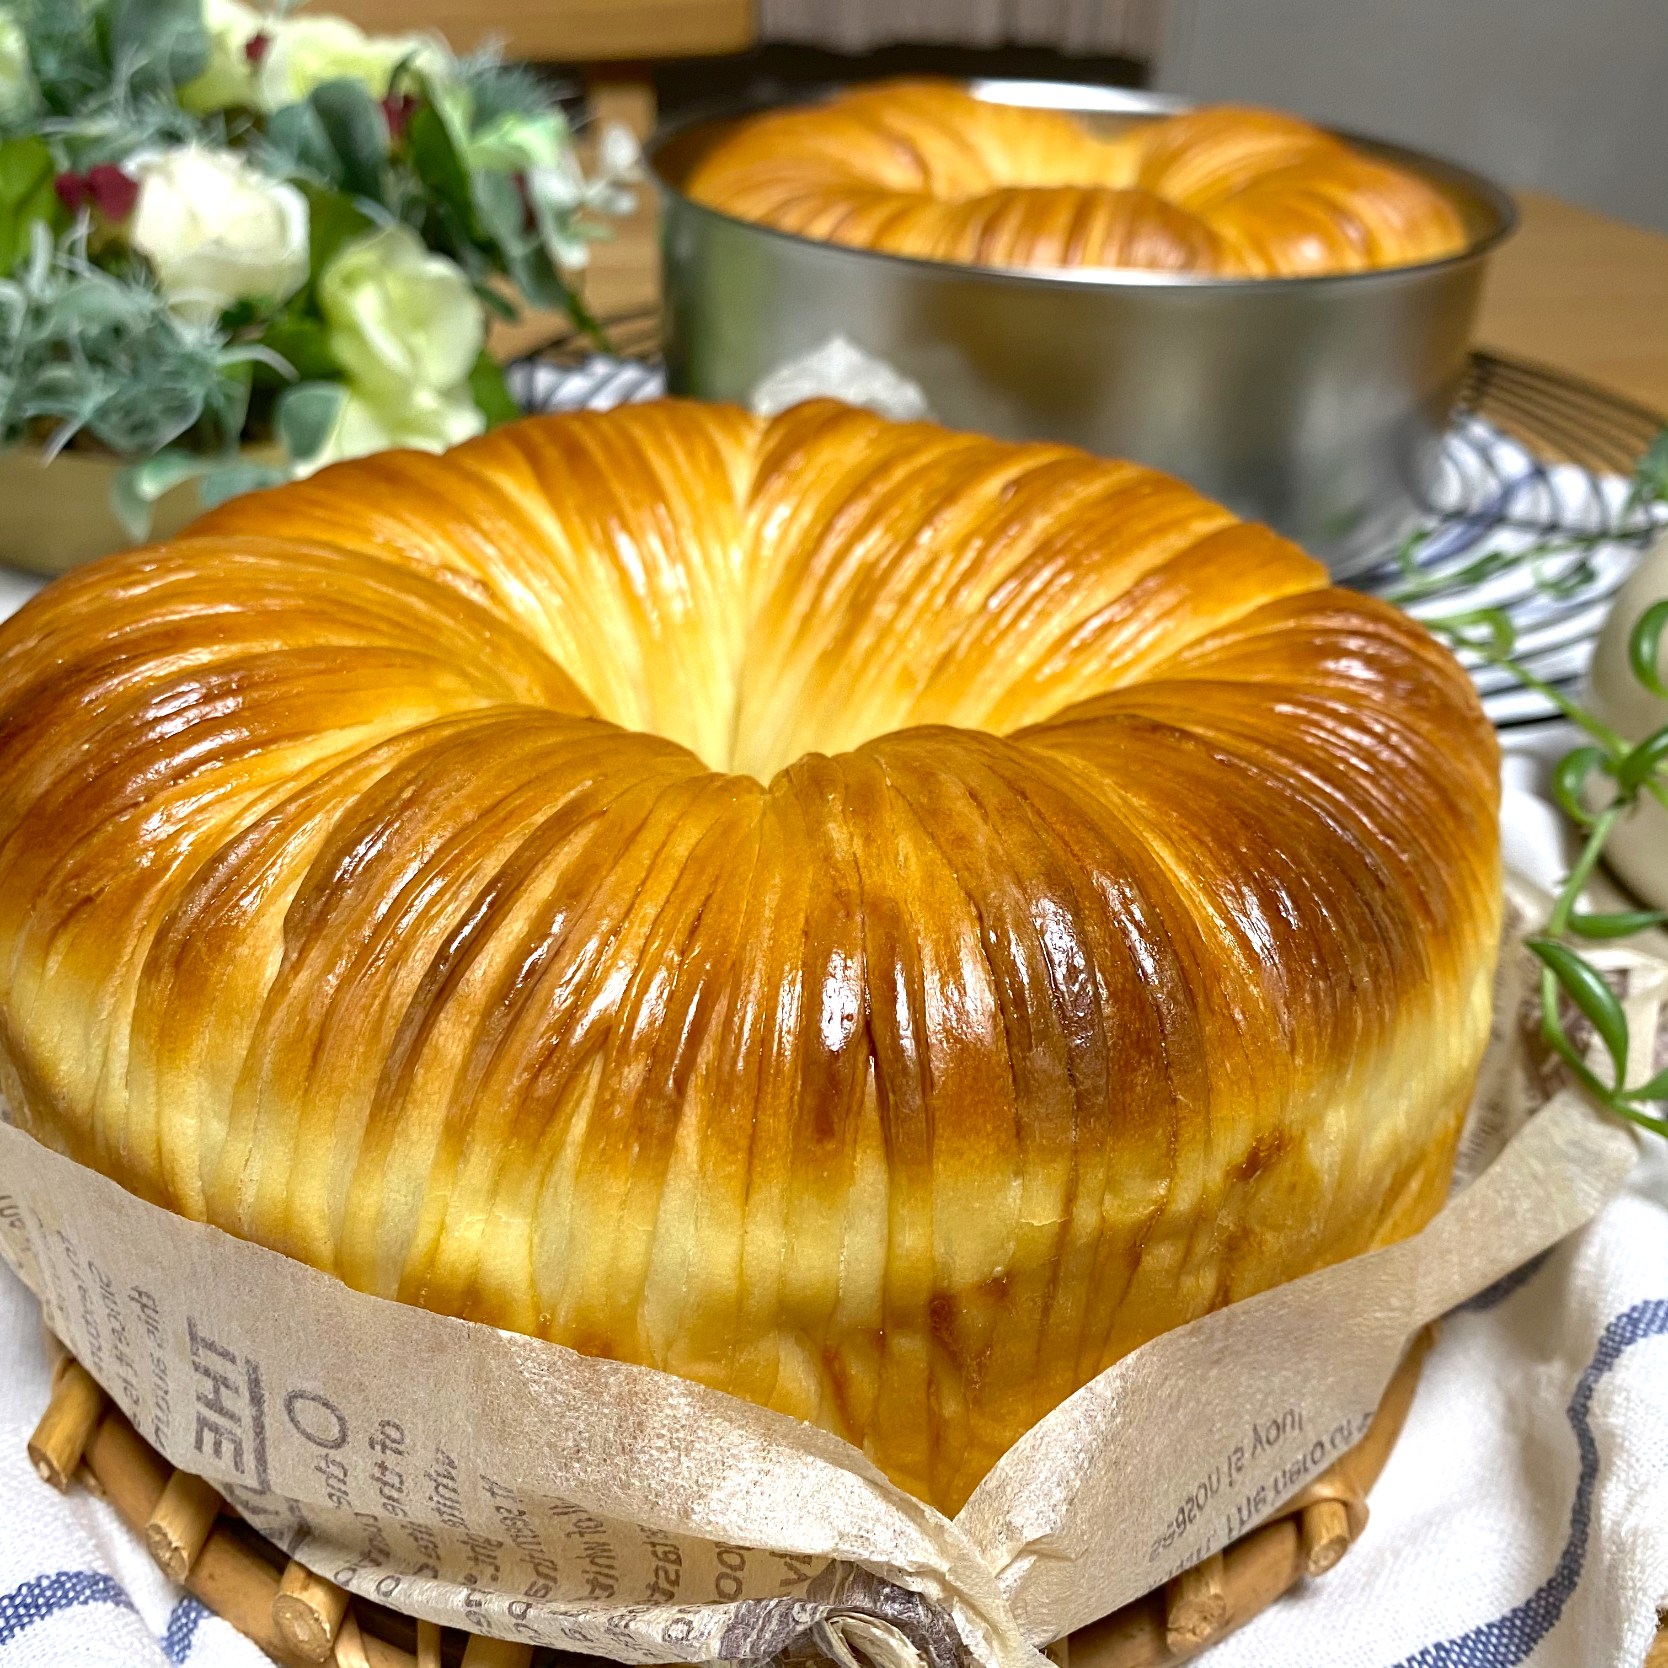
(923,168)
(876,920)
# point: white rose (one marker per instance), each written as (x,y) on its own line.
(430,424)
(229,78)
(305,52)
(407,329)
(217,230)
(17,79)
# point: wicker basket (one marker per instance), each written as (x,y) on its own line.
(302,1620)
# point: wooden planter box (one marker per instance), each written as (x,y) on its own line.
(54,516)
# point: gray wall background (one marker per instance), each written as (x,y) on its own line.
(1568,96)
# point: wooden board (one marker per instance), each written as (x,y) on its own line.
(1585,293)
(570,31)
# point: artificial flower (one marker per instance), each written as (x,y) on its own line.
(229,79)
(304,52)
(557,190)
(514,142)
(216,230)
(397,111)
(407,329)
(18,93)
(105,188)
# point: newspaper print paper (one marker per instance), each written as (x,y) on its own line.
(513,1487)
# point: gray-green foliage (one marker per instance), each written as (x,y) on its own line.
(82,50)
(498,89)
(115,125)
(65,55)
(301,423)
(105,73)
(82,349)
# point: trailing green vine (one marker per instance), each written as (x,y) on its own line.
(1596,785)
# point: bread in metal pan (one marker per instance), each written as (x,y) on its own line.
(926,169)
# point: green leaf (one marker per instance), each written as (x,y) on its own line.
(333,221)
(358,133)
(1566,581)
(1644,642)
(1655,1088)
(297,137)
(1585,987)
(588,322)
(1569,779)
(500,306)
(305,342)
(1657,1126)
(231,480)
(227,403)
(304,416)
(1487,630)
(1552,1029)
(26,196)
(1420,585)
(1650,481)
(164,41)
(1618,925)
(1642,761)
(436,160)
(502,213)
(137,486)
(453,234)
(24,165)
(491,393)
(539,282)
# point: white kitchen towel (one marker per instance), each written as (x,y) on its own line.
(1523,1517)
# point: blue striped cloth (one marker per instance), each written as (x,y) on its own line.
(1523,1517)
(77,1590)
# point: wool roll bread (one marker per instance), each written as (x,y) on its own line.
(876,920)
(926,169)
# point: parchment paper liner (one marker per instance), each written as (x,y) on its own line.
(512,1487)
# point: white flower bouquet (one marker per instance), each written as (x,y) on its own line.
(236,245)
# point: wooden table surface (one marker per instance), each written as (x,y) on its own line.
(1585,293)
(1572,289)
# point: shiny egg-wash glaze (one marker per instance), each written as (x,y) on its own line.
(929,170)
(873,919)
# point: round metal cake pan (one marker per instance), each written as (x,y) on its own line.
(1314,404)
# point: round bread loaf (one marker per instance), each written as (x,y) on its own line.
(872,919)
(923,168)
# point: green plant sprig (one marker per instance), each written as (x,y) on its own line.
(1596,785)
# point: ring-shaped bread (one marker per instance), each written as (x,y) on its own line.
(926,169)
(872,919)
